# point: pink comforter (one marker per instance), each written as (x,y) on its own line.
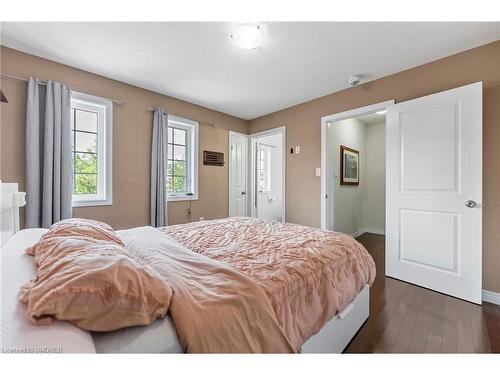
(214,307)
(308,274)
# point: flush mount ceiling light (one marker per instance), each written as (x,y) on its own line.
(381,112)
(248,36)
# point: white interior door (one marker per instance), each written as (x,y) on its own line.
(434,192)
(238,174)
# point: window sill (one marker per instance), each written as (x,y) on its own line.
(179,198)
(91,203)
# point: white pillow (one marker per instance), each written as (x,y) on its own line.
(158,337)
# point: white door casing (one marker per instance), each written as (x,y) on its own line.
(238,174)
(434,166)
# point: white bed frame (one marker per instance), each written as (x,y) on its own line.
(11,200)
(332,338)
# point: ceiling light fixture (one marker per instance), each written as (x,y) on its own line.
(381,112)
(248,36)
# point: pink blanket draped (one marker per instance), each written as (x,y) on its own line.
(308,274)
(214,307)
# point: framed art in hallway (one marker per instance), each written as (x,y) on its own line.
(349,166)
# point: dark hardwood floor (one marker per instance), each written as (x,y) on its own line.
(405,318)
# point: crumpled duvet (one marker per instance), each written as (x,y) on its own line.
(215,308)
(308,274)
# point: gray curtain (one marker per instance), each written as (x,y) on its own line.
(159,146)
(48,154)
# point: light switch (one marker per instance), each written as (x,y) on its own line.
(297,149)
(318,172)
(336,172)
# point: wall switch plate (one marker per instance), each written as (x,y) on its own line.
(336,172)
(318,172)
(297,149)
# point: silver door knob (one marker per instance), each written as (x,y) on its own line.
(470,204)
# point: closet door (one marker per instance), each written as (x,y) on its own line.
(434,192)
(238,174)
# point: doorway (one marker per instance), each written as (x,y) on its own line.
(353,165)
(433,188)
(257,174)
(267,174)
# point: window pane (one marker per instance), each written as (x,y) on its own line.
(170,136)
(86,142)
(86,121)
(170,168)
(85,184)
(179,153)
(178,168)
(85,163)
(170,152)
(170,184)
(179,136)
(178,184)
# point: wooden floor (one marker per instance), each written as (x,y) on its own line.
(405,318)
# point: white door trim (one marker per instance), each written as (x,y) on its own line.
(324,127)
(230,175)
(251,188)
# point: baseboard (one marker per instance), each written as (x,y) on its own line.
(375,231)
(491,297)
(357,233)
(367,230)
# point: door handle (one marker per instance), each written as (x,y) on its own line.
(470,204)
(243,193)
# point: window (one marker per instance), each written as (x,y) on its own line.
(182,159)
(91,119)
(264,169)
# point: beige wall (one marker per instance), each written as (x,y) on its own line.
(374,199)
(303,128)
(348,200)
(132,125)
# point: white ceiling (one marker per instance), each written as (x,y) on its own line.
(198,62)
(371,119)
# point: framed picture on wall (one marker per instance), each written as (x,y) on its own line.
(349,166)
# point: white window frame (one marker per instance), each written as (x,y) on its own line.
(191,128)
(104,108)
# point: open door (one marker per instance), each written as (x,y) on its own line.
(237,174)
(434,192)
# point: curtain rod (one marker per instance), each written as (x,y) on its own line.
(152,109)
(119,102)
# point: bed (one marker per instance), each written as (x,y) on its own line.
(18,334)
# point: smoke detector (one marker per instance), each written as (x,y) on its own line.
(354,80)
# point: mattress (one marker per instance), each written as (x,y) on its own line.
(20,335)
